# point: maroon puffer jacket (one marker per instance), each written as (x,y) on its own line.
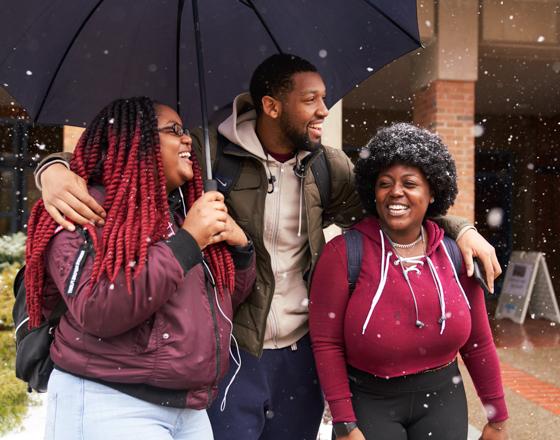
(167,333)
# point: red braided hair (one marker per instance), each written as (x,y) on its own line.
(120,150)
(219,258)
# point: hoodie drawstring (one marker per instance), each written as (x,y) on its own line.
(440,292)
(300,205)
(384,269)
(414,261)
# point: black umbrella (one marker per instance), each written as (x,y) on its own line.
(65,59)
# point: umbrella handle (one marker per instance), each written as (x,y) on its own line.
(210,185)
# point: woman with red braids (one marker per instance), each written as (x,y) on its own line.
(150,294)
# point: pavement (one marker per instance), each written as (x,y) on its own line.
(530,363)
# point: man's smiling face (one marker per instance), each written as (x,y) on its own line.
(304,111)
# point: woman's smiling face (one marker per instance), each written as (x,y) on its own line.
(402,196)
(175,149)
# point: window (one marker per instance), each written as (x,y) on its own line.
(22,146)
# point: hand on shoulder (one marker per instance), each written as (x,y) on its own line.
(67,200)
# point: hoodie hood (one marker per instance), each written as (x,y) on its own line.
(370,227)
(240,127)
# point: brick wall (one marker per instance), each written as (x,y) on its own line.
(447,107)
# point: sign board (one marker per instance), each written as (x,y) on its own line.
(527,289)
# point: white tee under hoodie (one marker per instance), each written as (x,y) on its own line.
(285,230)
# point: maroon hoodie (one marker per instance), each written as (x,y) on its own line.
(389,344)
(166,341)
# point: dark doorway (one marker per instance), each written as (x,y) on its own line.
(493,206)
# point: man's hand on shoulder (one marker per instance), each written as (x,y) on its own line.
(472,244)
(66,198)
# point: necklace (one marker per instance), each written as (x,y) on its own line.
(408,245)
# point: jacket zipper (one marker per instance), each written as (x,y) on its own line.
(274,253)
(274,326)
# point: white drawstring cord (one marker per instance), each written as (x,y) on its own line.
(440,292)
(455,274)
(415,261)
(382,281)
(237,360)
(300,204)
(183,202)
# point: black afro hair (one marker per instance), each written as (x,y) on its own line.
(407,144)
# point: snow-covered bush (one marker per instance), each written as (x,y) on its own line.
(12,249)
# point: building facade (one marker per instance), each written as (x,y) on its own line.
(488,82)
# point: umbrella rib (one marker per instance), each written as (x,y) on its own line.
(397,25)
(180,6)
(53,78)
(250,5)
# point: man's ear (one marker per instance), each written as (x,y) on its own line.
(271,106)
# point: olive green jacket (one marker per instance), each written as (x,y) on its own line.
(246,204)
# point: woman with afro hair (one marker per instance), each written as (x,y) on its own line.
(149,295)
(386,353)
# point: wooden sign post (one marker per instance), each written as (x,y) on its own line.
(527,288)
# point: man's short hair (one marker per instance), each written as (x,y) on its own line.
(273,77)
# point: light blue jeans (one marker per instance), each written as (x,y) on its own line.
(79,409)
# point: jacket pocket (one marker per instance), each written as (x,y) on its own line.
(143,335)
(249,178)
(156,335)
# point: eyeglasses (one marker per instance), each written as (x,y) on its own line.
(175,129)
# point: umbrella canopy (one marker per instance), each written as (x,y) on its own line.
(63,60)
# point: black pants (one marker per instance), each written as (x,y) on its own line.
(276,397)
(428,406)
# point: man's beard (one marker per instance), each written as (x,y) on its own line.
(300,141)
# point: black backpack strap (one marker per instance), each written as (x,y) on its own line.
(18,280)
(227,168)
(59,310)
(321,172)
(354,250)
(454,253)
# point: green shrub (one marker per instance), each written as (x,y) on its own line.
(14,398)
(7,275)
(7,350)
(12,248)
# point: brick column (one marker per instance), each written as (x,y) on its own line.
(447,108)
